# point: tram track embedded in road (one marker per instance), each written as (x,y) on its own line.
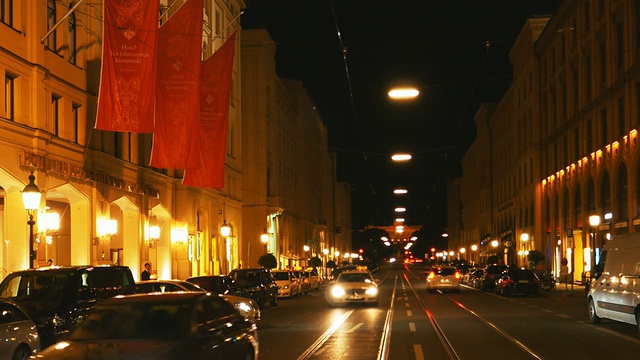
(446,343)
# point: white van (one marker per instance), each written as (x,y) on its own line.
(615,292)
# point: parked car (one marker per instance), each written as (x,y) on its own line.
(305,284)
(518,281)
(353,286)
(443,278)
(312,278)
(257,284)
(474,278)
(615,291)
(182,325)
(18,333)
(215,283)
(490,276)
(247,307)
(288,285)
(58,298)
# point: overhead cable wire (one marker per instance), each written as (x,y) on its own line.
(350,88)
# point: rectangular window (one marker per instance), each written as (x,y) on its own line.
(621,126)
(589,136)
(72,38)
(6,12)
(51,21)
(576,143)
(75,109)
(55,114)
(604,138)
(9,96)
(619,48)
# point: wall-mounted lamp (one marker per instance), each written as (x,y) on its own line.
(225,230)
(180,235)
(107,227)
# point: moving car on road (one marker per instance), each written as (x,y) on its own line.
(353,286)
(443,278)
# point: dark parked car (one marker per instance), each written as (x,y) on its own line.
(58,298)
(518,281)
(215,283)
(18,334)
(184,325)
(490,276)
(254,283)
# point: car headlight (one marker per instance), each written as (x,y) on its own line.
(337,291)
(285,287)
(242,307)
(371,291)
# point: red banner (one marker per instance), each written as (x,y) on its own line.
(175,139)
(125,99)
(215,92)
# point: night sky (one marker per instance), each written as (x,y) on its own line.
(455,52)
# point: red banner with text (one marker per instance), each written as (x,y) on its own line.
(126,95)
(215,92)
(175,139)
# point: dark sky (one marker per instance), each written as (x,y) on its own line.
(438,45)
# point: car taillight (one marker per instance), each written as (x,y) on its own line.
(457,275)
(431,275)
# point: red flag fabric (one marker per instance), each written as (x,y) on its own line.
(126,98)
(175,139)
(215,92)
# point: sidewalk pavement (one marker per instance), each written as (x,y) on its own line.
(576,290)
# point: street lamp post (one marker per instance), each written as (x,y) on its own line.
(264,237)
(594,221)
(31,196)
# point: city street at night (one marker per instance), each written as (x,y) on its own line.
(410,323)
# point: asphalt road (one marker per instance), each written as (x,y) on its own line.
(411,324)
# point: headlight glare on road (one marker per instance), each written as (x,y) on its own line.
(337,292)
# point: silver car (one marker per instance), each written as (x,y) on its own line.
(18,334)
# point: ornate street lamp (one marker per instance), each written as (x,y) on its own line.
(594,222)
(31,196)
(225,230)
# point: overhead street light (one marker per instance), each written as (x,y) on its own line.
(403,93)
(401,157)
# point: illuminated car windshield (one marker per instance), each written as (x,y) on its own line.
(345,278)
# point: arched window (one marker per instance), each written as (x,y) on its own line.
(591,198)
(622,198)
(577,207)
(51,21)
(605,191)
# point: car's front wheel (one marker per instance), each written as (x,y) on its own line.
(22,353)
(593,316)
(274,300)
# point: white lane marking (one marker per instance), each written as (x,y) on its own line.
(409,313)
(406,304)
(406,298)
(324,337)
(412,327)
(355,328)
(385,339)
(417,349)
